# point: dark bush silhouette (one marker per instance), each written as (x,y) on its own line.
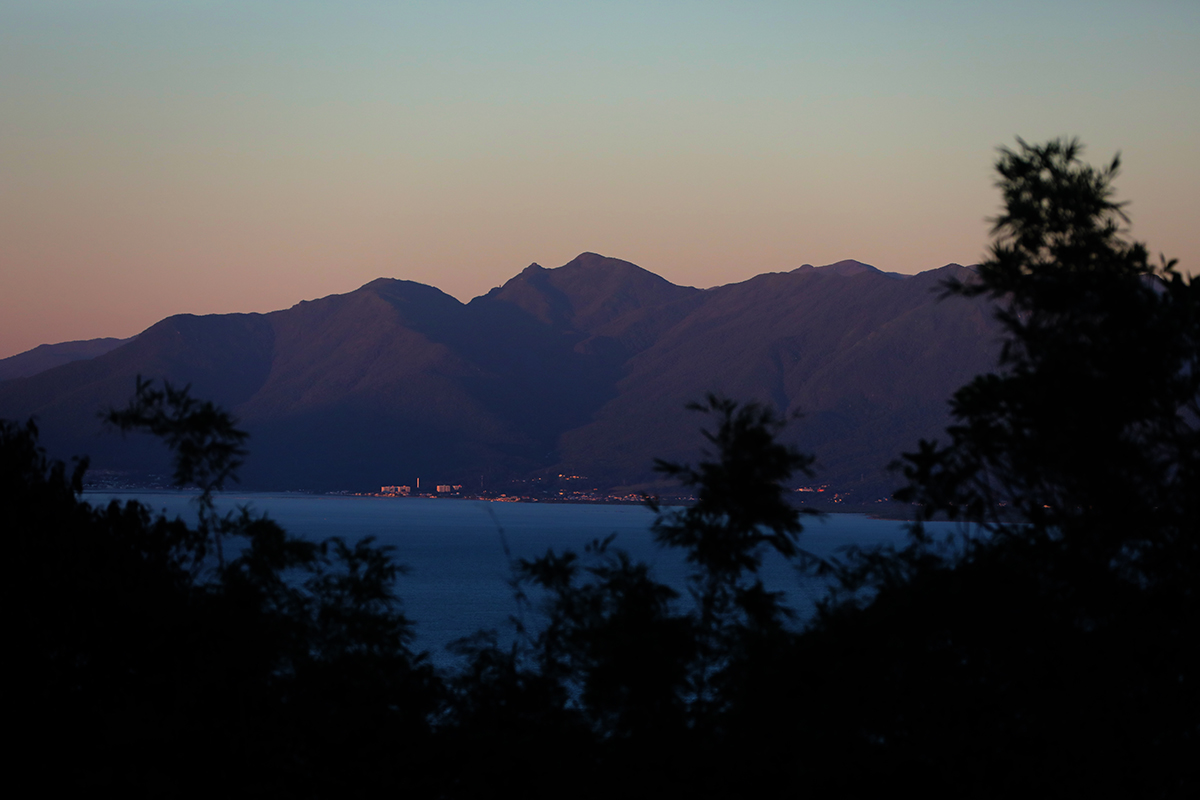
(148,659)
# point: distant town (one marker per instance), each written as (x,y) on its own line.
(562,488)
(540,490)
(551,491)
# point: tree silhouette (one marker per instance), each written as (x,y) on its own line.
(740,509)
(639,687)
(283,664)
(1059,637)
(1088,434)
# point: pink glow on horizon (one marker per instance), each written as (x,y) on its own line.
(158,159)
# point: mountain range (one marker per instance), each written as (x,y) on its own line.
(583,370)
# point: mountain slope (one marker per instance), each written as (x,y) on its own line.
(867,359)
(584,368)
(49,356)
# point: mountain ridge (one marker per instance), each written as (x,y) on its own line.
(48,356)
(584,369)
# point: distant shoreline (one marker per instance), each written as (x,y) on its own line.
(870,510)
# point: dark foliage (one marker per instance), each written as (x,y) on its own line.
(1055,645)
(740,508)
(740,497)
(641,686)
(147,665)
(1089,433)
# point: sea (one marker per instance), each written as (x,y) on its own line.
(459,555)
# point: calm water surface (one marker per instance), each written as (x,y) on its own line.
(457,579)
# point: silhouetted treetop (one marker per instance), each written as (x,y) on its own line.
(207,446)
(740,493)
(1088,431)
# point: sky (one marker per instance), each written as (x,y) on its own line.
(212,157)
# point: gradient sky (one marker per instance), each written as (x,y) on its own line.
(201,157)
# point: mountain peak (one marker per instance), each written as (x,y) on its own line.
(585,293)
(845,268)
(590,259)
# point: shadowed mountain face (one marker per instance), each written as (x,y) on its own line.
(868,360)
(585,368)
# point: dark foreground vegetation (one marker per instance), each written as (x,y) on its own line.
(1053,652)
